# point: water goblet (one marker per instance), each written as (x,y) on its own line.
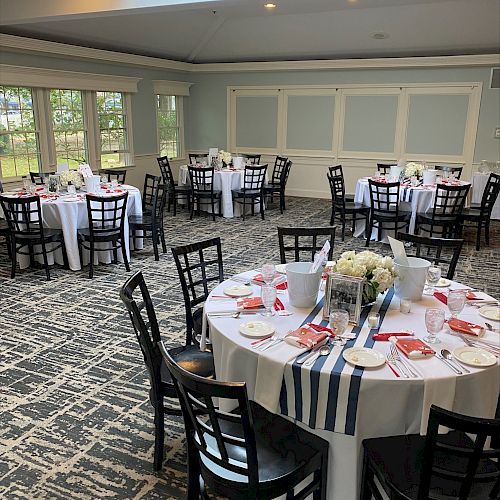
(434,322)
(268,272)
(268,296)
(26,183)
(339,320)
(433,277)
(456,302)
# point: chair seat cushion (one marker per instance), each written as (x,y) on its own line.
(49,235)
(191,359)
(112,234)
(350,206)
(280,453)
(398,460)
(140,220)
(402,216)
(208,193)
(249,192)
(471,213)
(437,220)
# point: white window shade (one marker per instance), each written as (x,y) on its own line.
(170,87)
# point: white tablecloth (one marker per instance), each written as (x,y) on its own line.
(345,404)
(224,181)
(479,181)
(412,199)
(71,216)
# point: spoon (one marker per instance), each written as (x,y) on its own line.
(323,351)
(490,327)
(447,354)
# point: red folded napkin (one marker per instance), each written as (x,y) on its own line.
(303,337)
(249,303)
(385,336)
(471,296)
(281,286)
(278,305)
(441,297)
(414,348)
(320,328)
(459,325)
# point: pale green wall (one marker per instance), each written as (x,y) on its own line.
(208,100)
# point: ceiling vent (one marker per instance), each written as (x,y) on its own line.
(495,78)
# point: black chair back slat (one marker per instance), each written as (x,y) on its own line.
(166,171)
(306,240)
(23,215)
(478,430)
(450,200)
(286,173)
(254,159)
(202,179)
(490,194)
(280,165)
(385,168)
(150,184)
(217,446)
(115,174)
(384,197)
(438,250)
(335,170)
(106,214)
(39,178)
(254,178)
(195,158)
(198,265)
(450,170)
(337,189)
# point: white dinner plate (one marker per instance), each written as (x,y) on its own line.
(363,356)
(490,312)
(238,290)
(281,268)
(256,329)
(473,356)
(443,282)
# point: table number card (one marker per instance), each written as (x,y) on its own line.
(344,292)
(85,170)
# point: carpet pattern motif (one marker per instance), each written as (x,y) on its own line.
(75,420)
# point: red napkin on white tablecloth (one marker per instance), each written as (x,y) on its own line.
(281,286)
(304,337)
(441,297)
(459,325)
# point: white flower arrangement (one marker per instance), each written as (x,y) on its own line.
(414,169)
(377,270)
(72,176)
(225,156)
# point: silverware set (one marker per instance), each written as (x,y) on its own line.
(269,342)
(403,366)
(481,344)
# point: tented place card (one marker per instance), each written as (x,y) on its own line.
(85,170)
(343,292)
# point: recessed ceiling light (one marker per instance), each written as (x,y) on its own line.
(379,35)
(270,5)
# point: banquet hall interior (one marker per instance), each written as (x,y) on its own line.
(176,176)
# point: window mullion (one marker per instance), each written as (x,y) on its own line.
(93,133)
(46,141)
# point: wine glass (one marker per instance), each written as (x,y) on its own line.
(268,272)
(268,296)
(434,322)
(339,319)
(433,276)
(456,302)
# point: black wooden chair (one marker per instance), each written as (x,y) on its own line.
(135,295)
(106,216)
(195,158)
(436,466)
(457,171)
(115,174)
(342,209)
(25,230)
(277,184)
(202,190)
(304,239)
(253,159)
(151,224)
(444,220)
(198,265)
(385,168)
(246,454)
(150,184)
(39,178)
(384,209)
(335,170)
(441,251)
(175,192)
(480,216)
(253,189)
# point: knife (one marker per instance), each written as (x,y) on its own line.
(312,351)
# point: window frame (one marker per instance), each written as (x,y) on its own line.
(179,107)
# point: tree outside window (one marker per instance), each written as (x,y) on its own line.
(19,147)
(168,120)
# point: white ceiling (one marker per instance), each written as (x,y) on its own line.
(242,30)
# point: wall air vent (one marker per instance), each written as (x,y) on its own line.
(495,78)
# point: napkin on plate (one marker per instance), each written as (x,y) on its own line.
(459,325)
(304,337)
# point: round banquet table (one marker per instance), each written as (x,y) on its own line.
(61,213)
(342,403)
(225,181)
(414,199)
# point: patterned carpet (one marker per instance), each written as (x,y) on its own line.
(75,420)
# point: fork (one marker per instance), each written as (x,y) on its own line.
(477,343)
(405,367)
(394,361)
(275,339)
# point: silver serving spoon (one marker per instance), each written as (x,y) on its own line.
(323,351)
(447,354)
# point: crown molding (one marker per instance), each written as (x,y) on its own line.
(56,49)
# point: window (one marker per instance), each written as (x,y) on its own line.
(169,120)
(19,148)
(113,129)
(70,135)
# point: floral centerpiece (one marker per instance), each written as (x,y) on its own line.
(377,270)
(225,157)
(414,169)
(72,176)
